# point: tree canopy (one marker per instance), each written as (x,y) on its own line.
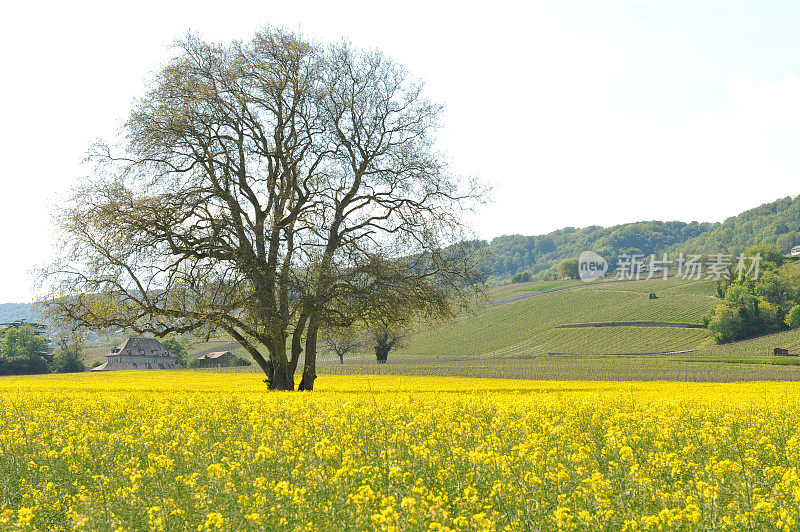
(757,305)
(267,188)
(21,351)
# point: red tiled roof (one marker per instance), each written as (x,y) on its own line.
(213,355)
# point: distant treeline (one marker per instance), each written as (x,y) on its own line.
(11,312)
(540,255)
(537,257)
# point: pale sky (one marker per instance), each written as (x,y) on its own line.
(577,112)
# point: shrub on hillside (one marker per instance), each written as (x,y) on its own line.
(568,268)
(793,318)
(522,277)
(67,360)
(756,306)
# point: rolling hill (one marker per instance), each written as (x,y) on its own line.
(529,327)
(10,312)
(534,326)
(776,223)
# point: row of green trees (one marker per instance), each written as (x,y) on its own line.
(567,268)
(754,306)
(23,352)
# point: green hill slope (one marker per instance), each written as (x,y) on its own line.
(528,327)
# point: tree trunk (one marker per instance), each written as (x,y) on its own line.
(341,358)
(310,362)
(381,353)
(281,379)
(296,342)
(268,364)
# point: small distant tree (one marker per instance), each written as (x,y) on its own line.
(787,241)
(241,361)
(777,289)
(97,363)
(727,324)
(568,268)
(68,359)
(341,343)
(23,342)
(178,347)
(385,339)
(522,277)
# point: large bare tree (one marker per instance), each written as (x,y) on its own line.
(267,188)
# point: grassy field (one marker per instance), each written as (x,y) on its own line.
(581,367)
(527,328)
(211,451)
(760,346)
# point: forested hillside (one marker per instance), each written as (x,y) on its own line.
(772,223)
(507,255)
(17,311)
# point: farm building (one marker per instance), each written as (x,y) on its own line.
(217,359)
(138,353)
(795,251)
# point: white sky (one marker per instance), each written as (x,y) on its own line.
(578,113)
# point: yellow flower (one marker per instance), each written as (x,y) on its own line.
(24,516)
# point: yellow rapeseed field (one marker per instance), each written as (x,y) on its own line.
(209,451)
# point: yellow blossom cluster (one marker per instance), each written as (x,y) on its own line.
(206,451)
